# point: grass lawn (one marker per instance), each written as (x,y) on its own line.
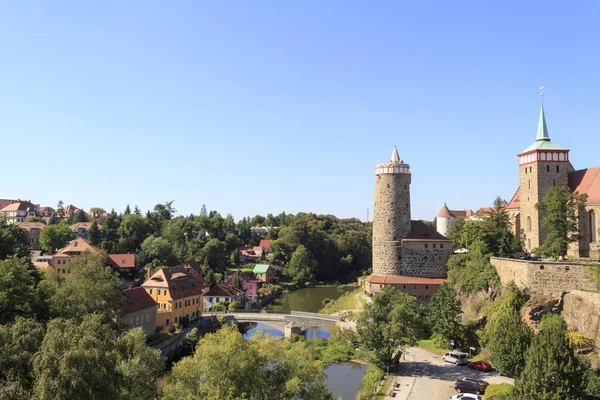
(493,392)
(384,389)
(244,270)
(346,302)
(429,346)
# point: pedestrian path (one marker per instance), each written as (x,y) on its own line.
(401,385)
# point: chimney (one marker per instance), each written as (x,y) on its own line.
(149,272)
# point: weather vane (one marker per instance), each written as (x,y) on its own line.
(542,91)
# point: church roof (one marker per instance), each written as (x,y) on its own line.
(542,139)
(445,212)
(586,181)
(395,157)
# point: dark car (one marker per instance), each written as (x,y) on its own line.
(469,387)
(475,381)
(481,365)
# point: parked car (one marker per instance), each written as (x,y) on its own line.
(475,381)
(480,365)
(465,396)
(469,387)
(455,357)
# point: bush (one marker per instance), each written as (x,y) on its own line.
(370,383)
(498,392)
(326,300)
(185,322)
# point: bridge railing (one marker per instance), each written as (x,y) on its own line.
(264,314)
(316,315)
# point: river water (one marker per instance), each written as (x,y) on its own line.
(344,379)
(308,299)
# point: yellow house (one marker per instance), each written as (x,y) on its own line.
(60,261)
(177,292)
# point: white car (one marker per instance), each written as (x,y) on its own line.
(465,396)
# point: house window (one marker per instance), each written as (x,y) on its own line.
(68,271)
(164,306)
(434,245)
(426,245)
(167,322)
(441,245)
(404,287)
(426,287)
(210,299)
(150,291)
(176,306)
(592,219)
(158,306)
(131,322)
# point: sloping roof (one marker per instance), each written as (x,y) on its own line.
(542,139)
(586,181)
(515,202)
(20,206)
(83,225)
(261,268)
(404,280)
(137,299)
(122,260)
(445,212)
(79,245)
(265,244)
(395,157)
(219,290)
(31,225)
(485,211)
(251,251)
(178,281)
(5,202)
(41,264)
(70,209)
(421,231)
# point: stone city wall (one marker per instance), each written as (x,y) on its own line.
(425,262)
(544,277)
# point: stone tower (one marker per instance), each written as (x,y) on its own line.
(542,165)
(391,215)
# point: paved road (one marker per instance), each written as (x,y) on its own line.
(425,376)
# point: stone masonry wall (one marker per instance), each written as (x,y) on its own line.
(391,221)
(425,262)
(548,278)
(582,310)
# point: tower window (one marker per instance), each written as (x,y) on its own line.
(592,219)
(525,170)
(557,169)
(388,185)
(528,224)
(541,267)
(394,238)
(529,184)
(554,182)
(547,168)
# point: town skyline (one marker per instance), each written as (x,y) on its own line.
(252,109)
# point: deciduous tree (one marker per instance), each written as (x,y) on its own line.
(444,317)
(301,267)
(18,295)
(56,236)
(13,240)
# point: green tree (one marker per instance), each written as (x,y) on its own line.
(370,382)
(444,317)
(157,248)
(19,342)
(471,272)
(215,254)
(60,210)
(137,211)
(127,210)
(18,282)
(393,320)
(301,267)
(80,216)
(13,240)
(56,236)
(138,366)
(455,232)
(227,367)
(560,209)
(110,232)
(92,288)
(509,342)
(233,305)
(136,228)
(36,219)
(94,234)
(552,372)
(470,233)
(496,231)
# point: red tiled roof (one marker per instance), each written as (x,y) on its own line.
(421,231)
(31,225)
(137,299)
(178,281)
(251,251)
(5,202)
(219,290)
(70,209)
(404,280)
(515,201)
(265,244)
(445,212)
(19,206)
(586,181)
(79,245)
(83,225)
(122,260)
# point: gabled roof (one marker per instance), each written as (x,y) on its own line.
(261,268)
(83,225)
(219,290)
(19,206)
(178,281)
(586,181)
(70,209)
(515,202)
(79,245)
(31,225)
(122,260)
(137,299)
(421,231)
(265,244)
(5,202)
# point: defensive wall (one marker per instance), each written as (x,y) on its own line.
(550,278)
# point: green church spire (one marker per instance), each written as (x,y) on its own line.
(542,132)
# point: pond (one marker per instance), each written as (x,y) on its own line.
(308,299)
(344,379)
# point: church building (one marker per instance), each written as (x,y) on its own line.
(410,255)
(545,164)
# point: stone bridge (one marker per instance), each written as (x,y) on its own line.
(293,322)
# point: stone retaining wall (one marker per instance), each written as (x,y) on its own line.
(582,310)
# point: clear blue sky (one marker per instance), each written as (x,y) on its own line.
(261,106)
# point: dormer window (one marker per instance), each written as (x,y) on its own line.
(74,244)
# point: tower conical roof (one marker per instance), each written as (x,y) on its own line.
(445,212)
(395,157)
(542,139)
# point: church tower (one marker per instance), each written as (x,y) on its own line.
(391,215)
(542,165)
